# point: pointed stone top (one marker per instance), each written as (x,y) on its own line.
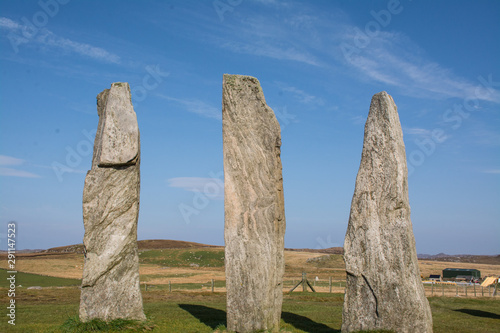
(246,92)
(234,80)
(117,139)
(385,101)
(228,77)
(383,118)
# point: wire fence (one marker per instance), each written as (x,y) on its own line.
(452,289)
(432,289)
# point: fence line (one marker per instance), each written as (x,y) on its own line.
(335,286)
(459,290)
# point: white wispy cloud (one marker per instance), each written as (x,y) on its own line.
(9,24)
(11,172)
(392,58)
(417,131)
(47,38)
(211,187)
(17,173)
(263,49)
(299,94)
(259,35)
(196,106)
(9,160)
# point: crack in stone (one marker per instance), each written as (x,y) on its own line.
(373,293)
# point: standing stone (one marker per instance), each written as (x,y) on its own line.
(110,285)
(384,289)
(254,207)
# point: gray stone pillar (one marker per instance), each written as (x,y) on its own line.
(384,289)
(110,285)
(254,207)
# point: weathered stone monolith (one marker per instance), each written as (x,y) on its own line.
(254,207)
(110,285)
(384,289)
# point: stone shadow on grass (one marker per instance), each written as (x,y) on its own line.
(305,324)
(479,313)
(208,316)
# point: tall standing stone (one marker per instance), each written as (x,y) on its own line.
(254,207)
(384,289)
(110,285)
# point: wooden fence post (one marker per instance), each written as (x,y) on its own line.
(456,285)
(169,286)
(465,290)
(442,288)
(213,284)
(432,289)
(330,284)
(474,289)
(304,279)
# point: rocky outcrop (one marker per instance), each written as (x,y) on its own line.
(110,285)
(384,289)
(254,207)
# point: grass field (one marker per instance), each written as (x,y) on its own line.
(183,257)
(191,307)
(47,309)
(30,280)
(201,264)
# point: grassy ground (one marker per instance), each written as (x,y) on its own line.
(46,310)
(201,264)
(30,280)
(183,257)
(191,307)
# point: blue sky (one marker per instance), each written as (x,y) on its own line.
(319,64)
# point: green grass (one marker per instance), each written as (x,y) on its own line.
(30,280)
(205,312)
(187,286)
(326,261)
(147,278)
(74,325)
(458,314)
(183,257)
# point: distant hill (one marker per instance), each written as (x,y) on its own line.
(150,244)
(158,244)
(77,248)
(468,258)
(330,250)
